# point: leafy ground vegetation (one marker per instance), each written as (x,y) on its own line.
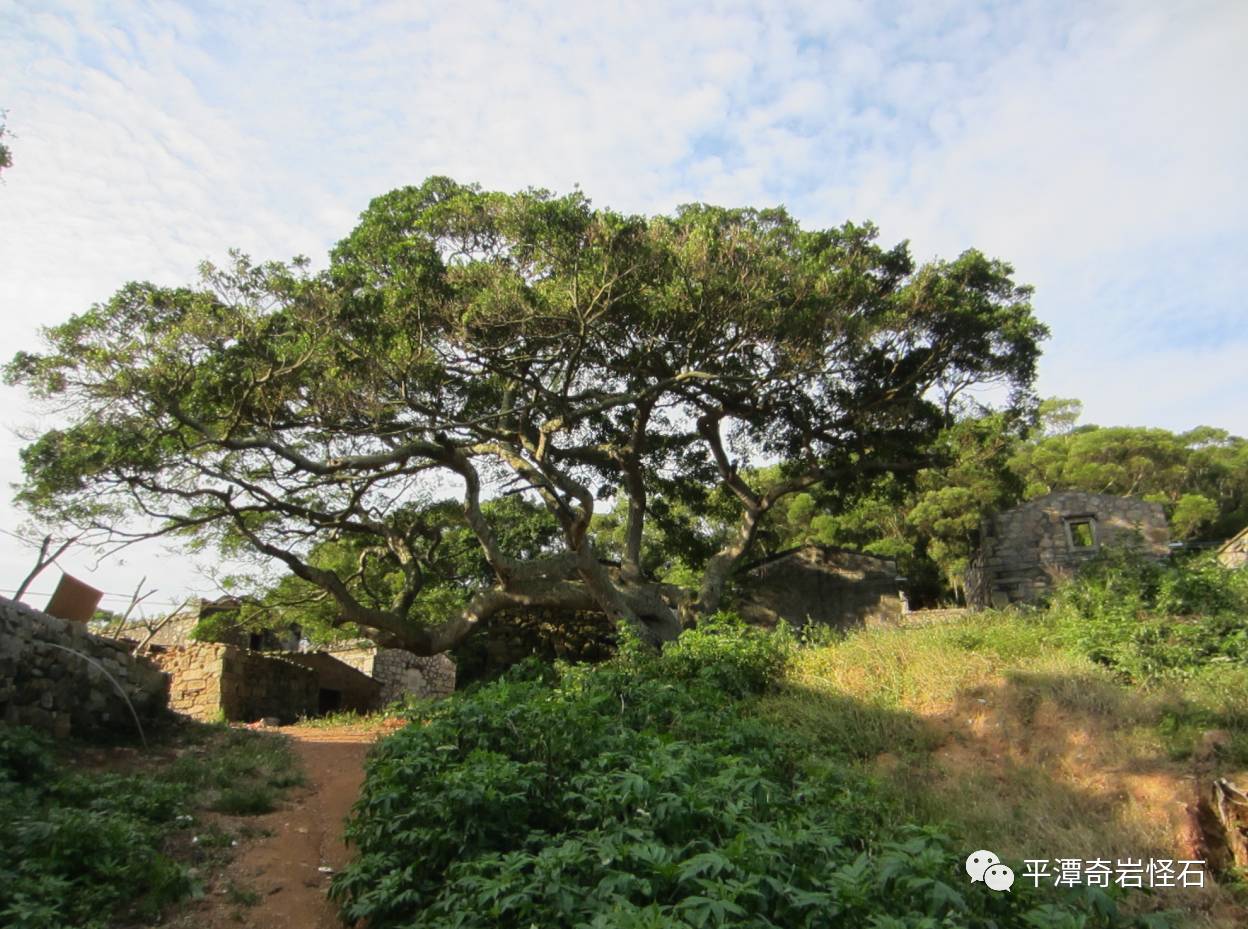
(738,779)
(1148,619)
(91,848)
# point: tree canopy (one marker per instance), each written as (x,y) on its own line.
(487,345)
(992,462)
(6,154)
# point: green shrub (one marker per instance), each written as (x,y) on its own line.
(25,756)
(249,800)
(727,653)
(643,792)
(77,850)
(1147,619)
(241,762)
(84,850)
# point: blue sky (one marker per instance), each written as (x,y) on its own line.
(1099,147)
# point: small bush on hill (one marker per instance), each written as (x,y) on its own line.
(1147,619)
(644,792)
(722,652)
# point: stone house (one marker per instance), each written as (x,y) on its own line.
(1023,552)
(1234,553)
(398,673)
(211,680)
(247,675)
(821,584)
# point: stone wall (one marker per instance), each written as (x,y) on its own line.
(342,687)
(1025,551)
(195,678)
(824,585)
(1234,554)
(43,685)
(512,635)
(400,672)
(211,680)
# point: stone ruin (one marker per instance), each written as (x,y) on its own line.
(398,673)
(815,583)
(211,680)
(248,675)
(1025,551)
(823,585)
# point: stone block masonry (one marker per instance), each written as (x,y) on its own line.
(212,680)
(54,675)
(342,687)
(1025,551)
(400,672)
(823,585)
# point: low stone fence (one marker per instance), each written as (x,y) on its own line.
(212,680)
(55,675)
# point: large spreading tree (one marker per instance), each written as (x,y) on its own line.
(522,344)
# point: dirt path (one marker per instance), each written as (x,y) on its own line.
(276,881)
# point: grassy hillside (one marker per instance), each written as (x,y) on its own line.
(1001,731)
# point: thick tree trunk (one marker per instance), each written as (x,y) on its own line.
(722,562)
(645,606)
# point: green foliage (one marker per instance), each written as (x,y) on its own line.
(527,347)
(25,757)
(1201,476)
(970,482)
(245,801)
(1213,697)
(988,462)
(640,793)
(86,849)
(1190,513)
(240,762)
(77,850)
(1146,618)
(727,654)
(453,563)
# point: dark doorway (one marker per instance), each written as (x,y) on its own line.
(330,701)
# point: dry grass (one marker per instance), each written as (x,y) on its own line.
(1018,745)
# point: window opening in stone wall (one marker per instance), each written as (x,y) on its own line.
(1081,532)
